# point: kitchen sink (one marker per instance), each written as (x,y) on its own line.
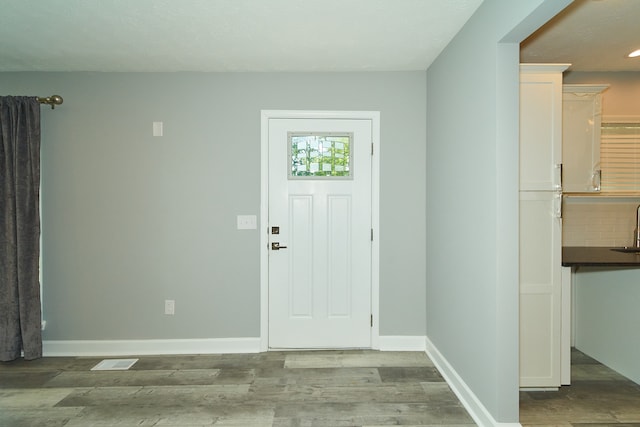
(627,249)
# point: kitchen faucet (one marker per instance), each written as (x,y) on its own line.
(637,230)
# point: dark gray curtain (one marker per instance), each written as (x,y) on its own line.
(20,318)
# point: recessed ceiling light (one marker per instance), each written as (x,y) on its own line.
(634,54)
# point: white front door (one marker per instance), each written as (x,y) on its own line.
(319,229)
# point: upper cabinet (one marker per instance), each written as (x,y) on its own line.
(541,127)
(581,119)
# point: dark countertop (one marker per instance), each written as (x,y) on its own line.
(597,257)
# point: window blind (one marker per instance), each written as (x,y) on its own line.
(620,157)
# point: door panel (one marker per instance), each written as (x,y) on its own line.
(339,256)
(300,281)
(541,127)
(540,289)
(320,282)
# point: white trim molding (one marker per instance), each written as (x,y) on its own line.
(543,68)
(150,347)
(621,119)
(57,348)
(265,115)
(584,89)
(467,397)
(402,343)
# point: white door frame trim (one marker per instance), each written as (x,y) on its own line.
(374,116)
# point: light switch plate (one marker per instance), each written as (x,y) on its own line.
(247,222)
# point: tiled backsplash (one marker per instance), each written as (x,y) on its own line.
(603,222)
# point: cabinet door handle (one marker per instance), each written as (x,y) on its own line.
(559,176)
(597,179)
(558,205)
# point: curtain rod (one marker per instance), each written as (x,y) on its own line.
(52,100)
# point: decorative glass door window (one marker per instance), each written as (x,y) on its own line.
(320,155)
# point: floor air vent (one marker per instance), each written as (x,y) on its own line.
(114,365)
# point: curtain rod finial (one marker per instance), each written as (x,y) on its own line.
(55,100)
(52,100)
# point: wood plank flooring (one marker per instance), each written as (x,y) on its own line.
(301,389)
(597,397)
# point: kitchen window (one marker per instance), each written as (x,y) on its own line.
(620,157)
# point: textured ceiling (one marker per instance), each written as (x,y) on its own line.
(227,35)
(592,35)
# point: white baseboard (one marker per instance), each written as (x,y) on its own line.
(402,343)
(467,397)
(193,346)
(148,347)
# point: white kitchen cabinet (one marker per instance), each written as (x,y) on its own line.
(541,126)
(567,332)
(581,119)
(540,225)
(540,289)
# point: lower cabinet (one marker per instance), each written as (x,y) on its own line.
(540,289)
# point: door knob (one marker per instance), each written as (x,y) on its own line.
(275,246)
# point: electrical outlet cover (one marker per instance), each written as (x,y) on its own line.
(169,306)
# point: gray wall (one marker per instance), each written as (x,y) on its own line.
(607,317)
(472,199)
(130,220)
(621,98)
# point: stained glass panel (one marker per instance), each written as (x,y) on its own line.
(320,155)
